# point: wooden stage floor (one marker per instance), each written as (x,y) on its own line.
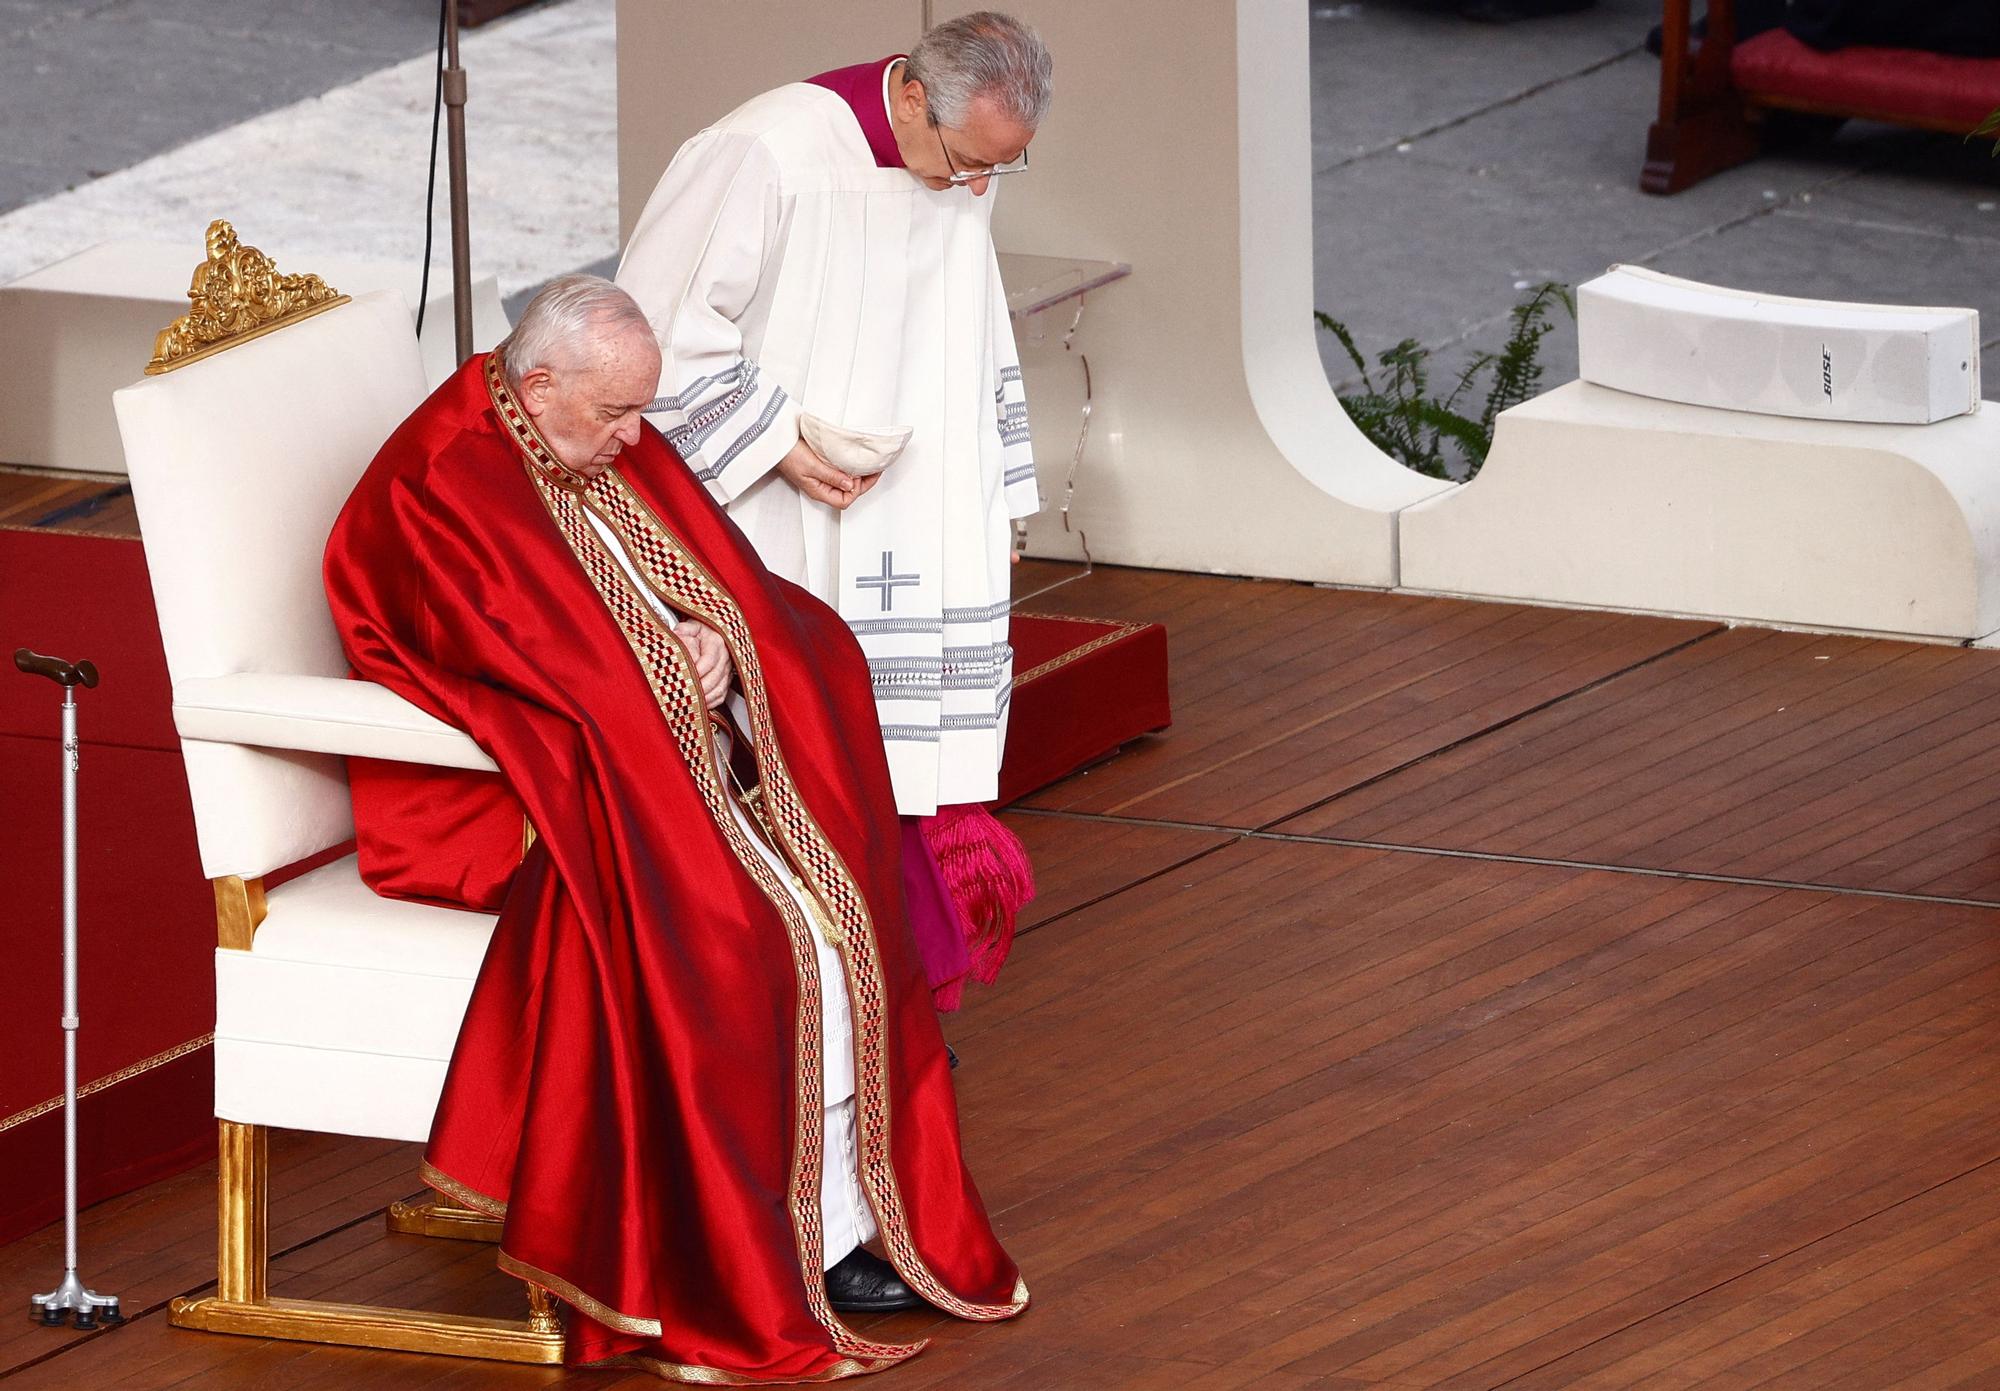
(1461,995)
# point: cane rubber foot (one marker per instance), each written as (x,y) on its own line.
(85,1321)
(52,1318)
(110,1314)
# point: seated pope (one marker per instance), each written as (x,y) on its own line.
(700,1075)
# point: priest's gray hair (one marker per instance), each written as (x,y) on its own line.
(562,314)
(984,54)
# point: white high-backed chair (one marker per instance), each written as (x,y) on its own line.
(335,1010)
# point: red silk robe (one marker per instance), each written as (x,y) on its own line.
(637,1087)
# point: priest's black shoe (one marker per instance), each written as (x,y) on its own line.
(864,1283)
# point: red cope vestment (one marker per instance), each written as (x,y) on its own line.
(637,1086)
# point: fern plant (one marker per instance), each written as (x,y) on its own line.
(1423,431)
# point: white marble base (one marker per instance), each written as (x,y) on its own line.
(1596,498)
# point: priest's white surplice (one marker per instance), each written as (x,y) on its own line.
(784,272)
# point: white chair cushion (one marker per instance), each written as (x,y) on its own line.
(343,1013)
(294,1088)
(328,917)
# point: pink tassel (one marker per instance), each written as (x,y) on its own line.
(986,868)
(947,998)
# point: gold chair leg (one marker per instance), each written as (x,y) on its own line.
(242,1302)
(436,1217)
(243,1212)
(542,1316)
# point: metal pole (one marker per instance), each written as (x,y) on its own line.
(70,1020)
(461,245)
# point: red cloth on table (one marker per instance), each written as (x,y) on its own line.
(637,1085)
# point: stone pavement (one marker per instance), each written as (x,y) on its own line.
(1454,163)
(338,171)
(92,86)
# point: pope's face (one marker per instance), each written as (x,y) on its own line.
(587,407)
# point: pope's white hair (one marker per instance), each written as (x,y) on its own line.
(984,54)
(564,313)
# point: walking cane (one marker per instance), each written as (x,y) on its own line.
(53,1308)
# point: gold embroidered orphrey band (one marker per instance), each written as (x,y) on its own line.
(109,1080)
(237,294)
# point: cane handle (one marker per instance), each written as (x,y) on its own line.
(56,669)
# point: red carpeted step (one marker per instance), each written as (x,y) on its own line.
(1083,687)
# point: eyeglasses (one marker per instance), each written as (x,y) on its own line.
(961,177)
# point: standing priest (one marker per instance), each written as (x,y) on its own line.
(819,265)
(700,1065)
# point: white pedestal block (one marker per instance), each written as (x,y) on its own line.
(78,330)
(1595,498)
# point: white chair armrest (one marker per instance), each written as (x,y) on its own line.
(319,714)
